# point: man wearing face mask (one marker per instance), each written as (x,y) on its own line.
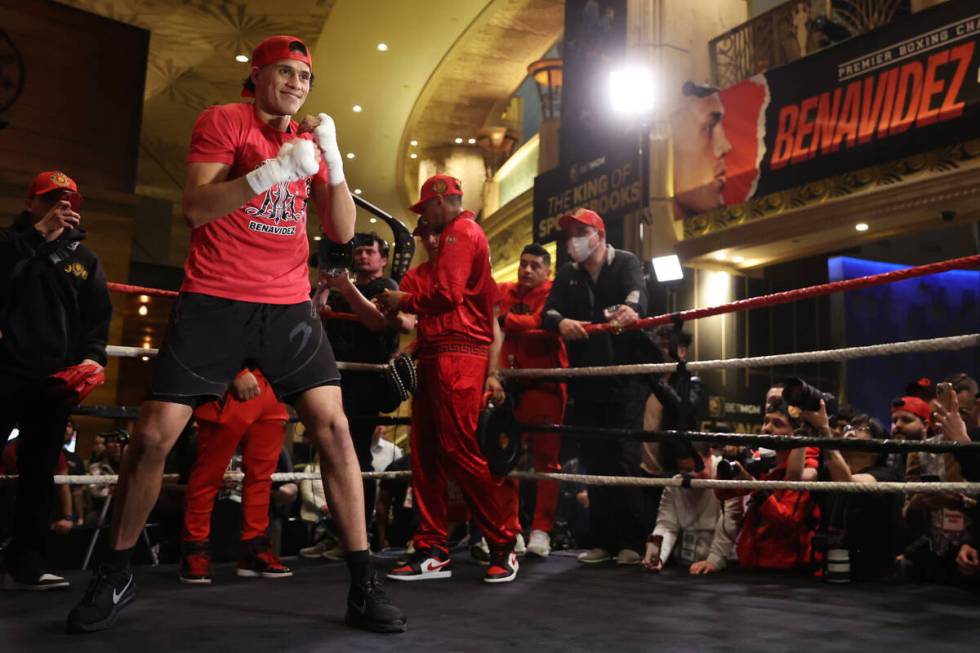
(54,319)
(604,284)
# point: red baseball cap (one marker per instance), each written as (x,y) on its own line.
(437,185)
(914,405)
(55,180)
(587,217)
(276,48)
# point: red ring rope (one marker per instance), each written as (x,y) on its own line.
(761,301)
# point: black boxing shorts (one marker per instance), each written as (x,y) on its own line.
(210,340)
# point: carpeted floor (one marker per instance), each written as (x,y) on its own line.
(556,605)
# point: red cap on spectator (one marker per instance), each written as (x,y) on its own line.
(46,182)
(437,185)
(587,217)
(913,405)
(276,48)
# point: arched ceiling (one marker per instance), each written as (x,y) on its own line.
(450,63)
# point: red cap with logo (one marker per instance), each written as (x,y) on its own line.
(55,180)
(587,217)
(914,405)
(276,48)
(437,185)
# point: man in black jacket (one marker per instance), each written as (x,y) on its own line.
(604,284)
(54,314)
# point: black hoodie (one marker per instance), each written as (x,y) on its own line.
(54,302)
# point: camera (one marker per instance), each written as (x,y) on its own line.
(119,435)
(804,396)
(726,470)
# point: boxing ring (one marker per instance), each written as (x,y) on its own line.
(556,603)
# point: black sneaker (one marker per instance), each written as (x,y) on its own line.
(33,581)
(108,593)
(369,608)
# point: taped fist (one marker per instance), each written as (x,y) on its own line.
(297,159)
(326,137)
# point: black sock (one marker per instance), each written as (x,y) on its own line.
(119,559)
(359,566)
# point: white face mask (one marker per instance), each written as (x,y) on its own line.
(581,248)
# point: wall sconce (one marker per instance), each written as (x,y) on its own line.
(547,74)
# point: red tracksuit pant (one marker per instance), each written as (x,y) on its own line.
(536,406)
(216,443)
(445,412)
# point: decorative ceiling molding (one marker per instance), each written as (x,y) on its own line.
(484,67)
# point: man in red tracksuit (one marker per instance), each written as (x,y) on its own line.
(542,402)
(455,369)
(250,413)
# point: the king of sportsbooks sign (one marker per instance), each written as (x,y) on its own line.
(905,88)
(614,186)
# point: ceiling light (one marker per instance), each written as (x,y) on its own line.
(382,47)
(144,358)
(471,141)
(357,108)
(143,310)
(458,140)
(146,344)
(861,226)
(738,259)
(350,155)
(413,142)
(144,299)
(317,237)
(413,155)
(667,268)
(357,191)
(241,58)
(720,255)
(373,220)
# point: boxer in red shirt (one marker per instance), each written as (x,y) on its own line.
(245,303)
(250,413)
(537,402)
(455,369)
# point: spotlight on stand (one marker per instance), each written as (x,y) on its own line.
(667,268)
(632,90)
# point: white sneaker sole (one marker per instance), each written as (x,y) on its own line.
(432,575)
(538,553)
(594,561)
(10,584)
(195,581)
(248,573)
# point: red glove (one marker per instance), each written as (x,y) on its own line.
(76,382)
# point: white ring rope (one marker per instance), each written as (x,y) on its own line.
(138,352)
(588,479)
(822,356)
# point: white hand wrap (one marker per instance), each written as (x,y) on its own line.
(326,137)
(296,160)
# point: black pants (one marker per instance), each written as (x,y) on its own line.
(616,514)
(41,422)
(360,401)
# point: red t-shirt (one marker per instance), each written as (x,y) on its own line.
(259,251)
(462,292)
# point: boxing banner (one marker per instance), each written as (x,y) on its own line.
(614,186)
(907,87)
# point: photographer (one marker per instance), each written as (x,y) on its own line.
(779,525)
(703,527)
(867,525)
(373,339)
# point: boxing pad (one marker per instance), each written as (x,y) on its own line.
(71,385)
(400,383)
(498,437)
(333,258)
